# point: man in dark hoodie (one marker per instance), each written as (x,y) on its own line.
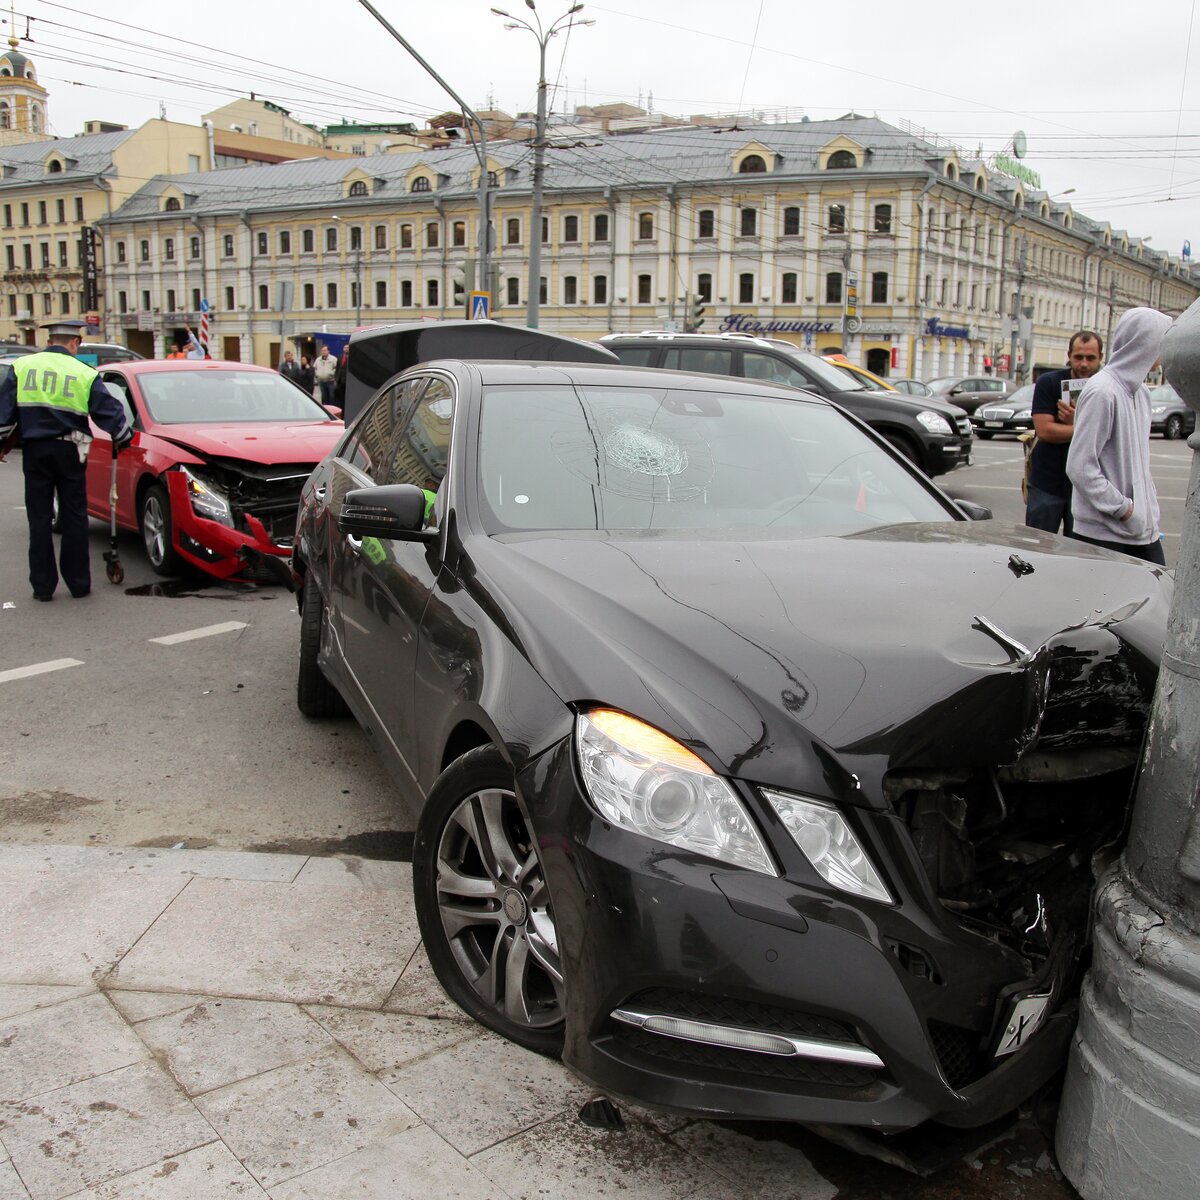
(1113,501)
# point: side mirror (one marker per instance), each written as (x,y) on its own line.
(973,511)
(957,390)
(395,512)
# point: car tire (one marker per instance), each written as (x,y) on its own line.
(483,904)
(158,531)
(984,435)
(315,695)
(900,443)
(1173,429)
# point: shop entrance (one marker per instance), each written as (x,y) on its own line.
(879,362)
(140,341)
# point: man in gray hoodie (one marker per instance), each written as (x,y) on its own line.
(1114,503)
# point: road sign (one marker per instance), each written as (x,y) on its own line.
(479,305)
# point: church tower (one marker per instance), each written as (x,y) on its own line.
(22,99)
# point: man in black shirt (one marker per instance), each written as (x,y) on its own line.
(1049,503)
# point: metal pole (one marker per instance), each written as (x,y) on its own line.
(1129,1124)
(533,299)
(358,281)
(1016,311)
(485,216)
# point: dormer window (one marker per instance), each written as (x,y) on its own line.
(54,166)
(951,171)
(359,188)
(753,164)
(493,179)
(171,204)
(420,184)
(841,160)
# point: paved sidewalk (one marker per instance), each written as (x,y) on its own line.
(202,1023)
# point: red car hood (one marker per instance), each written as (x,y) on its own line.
(265,442)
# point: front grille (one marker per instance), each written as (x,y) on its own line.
(717,1061)
(957,1053)
(720,1010)
(962,426)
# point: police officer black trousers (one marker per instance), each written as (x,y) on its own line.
(52,464)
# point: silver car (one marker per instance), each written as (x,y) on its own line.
(970,391)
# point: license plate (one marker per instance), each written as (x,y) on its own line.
(993,424)
(1025,1018)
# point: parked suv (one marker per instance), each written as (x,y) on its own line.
(931,433)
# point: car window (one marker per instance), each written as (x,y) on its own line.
(829,374)
(206,396)
(708,361)
(376,430)
(771,369)
(642,458)
(635,356)
(118,385)
(420,446)
(942,385)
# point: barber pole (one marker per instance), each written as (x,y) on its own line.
(204,327)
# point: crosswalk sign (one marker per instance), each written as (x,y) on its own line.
(480,306)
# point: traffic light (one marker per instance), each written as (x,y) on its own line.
(696,312)
(987,360)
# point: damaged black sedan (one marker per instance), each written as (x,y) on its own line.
(753,777)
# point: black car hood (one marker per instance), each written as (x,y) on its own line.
(775,658)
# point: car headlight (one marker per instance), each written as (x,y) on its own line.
(828,842)
(644,781)
(1158,409)
(207,500)
(934,422)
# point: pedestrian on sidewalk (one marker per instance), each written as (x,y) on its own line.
(1048,505)
(290,369)
(307,379)
(1113,502)
(325,373)
(48,397)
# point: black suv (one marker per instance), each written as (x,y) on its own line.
(931,433)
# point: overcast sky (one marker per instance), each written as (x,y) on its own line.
(1107,93)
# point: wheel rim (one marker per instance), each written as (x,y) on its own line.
(495,910)
(154,528)
(1174,427)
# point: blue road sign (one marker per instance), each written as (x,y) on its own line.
(480,306)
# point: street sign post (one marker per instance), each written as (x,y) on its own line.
(479,305)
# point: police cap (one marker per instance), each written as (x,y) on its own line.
(65,328)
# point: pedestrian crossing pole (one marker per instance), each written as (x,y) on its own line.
(204,327)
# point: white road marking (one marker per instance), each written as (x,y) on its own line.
(42,668)
(190,635)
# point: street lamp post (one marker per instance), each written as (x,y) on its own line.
(542,35)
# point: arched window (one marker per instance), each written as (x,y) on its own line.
(493,179)
(36,118)
(752,164)
(5,114)
(791,221)
(420,184)
(358,188)
(172,204)
(54,166)
(841,160)
(951,171)
(980,183)
(1045,210)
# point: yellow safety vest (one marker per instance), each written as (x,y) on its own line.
(54,381)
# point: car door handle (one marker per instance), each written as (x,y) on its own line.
(355,543)
(320,492)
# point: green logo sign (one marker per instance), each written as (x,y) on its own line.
(1010,166)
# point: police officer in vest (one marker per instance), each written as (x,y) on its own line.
(48,397)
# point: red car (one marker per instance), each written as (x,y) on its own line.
(219,455)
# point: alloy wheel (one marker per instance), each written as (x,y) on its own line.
(154,529)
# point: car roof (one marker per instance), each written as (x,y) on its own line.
(509,371)
(148,365)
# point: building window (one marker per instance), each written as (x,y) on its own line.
(264,296)
(230,300)
(261,242)
(10,253)
(420,184)
(570,289)
(787,288)
(543,291)
(355,237)
(172,204)
(431,293)
(380,237)
(331,295)
(942,292)
(962,235)
(833,287)
(643,289)
(883,218)
(43,216)
(599,289)
(493,179)
(307,241)
(195,299)
(879,287)
(195,247)
(355,302)
(358,188)
(458,233)
(431,235)
(749,222)
(310,296)
(987,298)
(837,218)
(705,223)
(752,164)
(331,238)
(64,302)
(841,160)
(928,290)
(122,302)
(600,227)
(746,288)
(285,241)
(406,295)
(47,303)
(144,250)
(24,213)
(570,229)
(645,226)
(406,237)
(227,245)
(545,231)
(27,252)
(169,249)
(170,299)
(60,211)
(8,216)
(512,290)
(79,208)
(62,254)
(381,293)
(120,252)
(958,294)
(704,287)
(512,231)
(45,252)
(791,221)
